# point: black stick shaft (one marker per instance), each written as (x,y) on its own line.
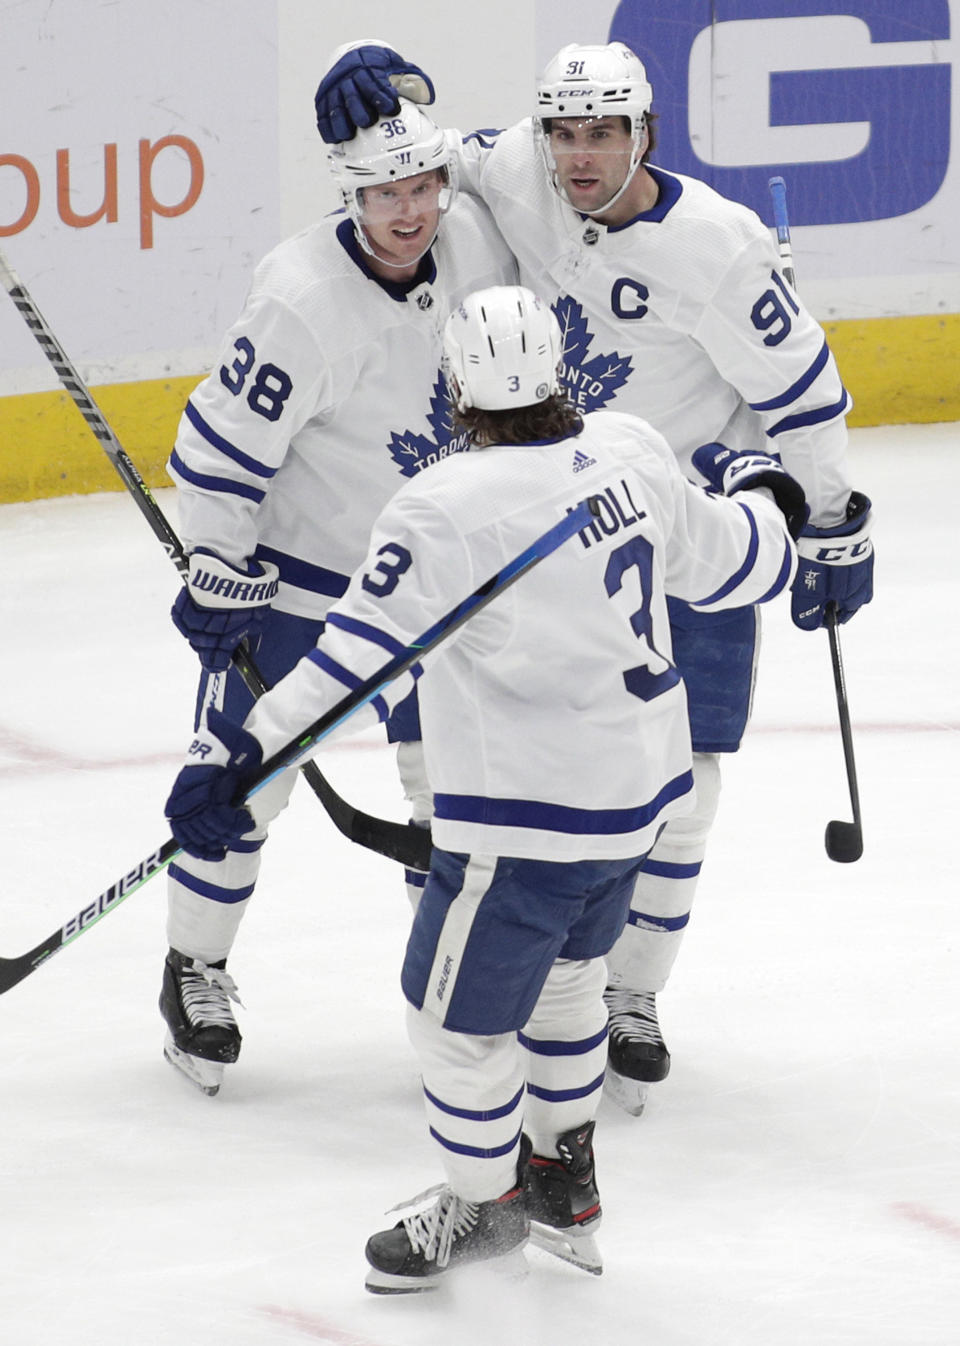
(843,708)
(842,841)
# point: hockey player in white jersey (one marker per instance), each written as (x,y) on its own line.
(557,742)
(326,397)
(673,306)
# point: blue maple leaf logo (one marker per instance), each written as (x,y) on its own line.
(590,383)
(412,452)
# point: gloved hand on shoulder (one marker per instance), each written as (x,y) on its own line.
(362,86)
(728,471)
(220,605)
(222,762)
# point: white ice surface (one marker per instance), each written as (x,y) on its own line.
(796,1180)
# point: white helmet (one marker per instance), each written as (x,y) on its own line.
(501,350)
(393,148)
(594,81)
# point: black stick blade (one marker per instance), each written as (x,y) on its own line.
(844,842)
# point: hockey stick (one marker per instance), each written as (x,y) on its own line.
(843,841)
(398,841)
(13,970)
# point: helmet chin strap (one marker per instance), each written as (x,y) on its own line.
(602,210)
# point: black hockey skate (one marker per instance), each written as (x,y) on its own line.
(563,1201)
(202,1034)
(438,1232)
(637,1055)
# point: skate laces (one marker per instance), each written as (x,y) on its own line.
(206,993)
(435,1219)
(633,1015)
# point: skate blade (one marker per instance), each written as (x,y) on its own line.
(578,1247)
(630,1095)
(207,1076)
(381,1283)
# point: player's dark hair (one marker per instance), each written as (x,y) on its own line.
(554,418)
(650,121)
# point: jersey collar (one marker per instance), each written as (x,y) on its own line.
(670,191)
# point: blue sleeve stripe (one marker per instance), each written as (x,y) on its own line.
(744,571)
(580,1047)
(225,447)
(487,1115)
(474,1151)
(372,633)
(566,1095)
(348,679)
(533,813)
(816,417)
(223,484)
(366,632)
(484,137)
(303,574)
(801,385)
(780,582)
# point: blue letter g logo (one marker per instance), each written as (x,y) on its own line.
(852,97)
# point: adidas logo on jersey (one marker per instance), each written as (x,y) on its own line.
(582,460)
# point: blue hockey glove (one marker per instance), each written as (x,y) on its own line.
(362,87)
(729,471)
(203,817)
(836,566)
(220,605)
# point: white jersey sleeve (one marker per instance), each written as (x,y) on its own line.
(270,378)
(767,346)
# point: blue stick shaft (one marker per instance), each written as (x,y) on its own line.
(778,194)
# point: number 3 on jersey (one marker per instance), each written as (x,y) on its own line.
(394,561)
(637,554)
(270,388)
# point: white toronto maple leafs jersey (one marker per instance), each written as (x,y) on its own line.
(327,395)
(554,721)
(680,316)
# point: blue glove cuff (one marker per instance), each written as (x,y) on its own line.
(858,512)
